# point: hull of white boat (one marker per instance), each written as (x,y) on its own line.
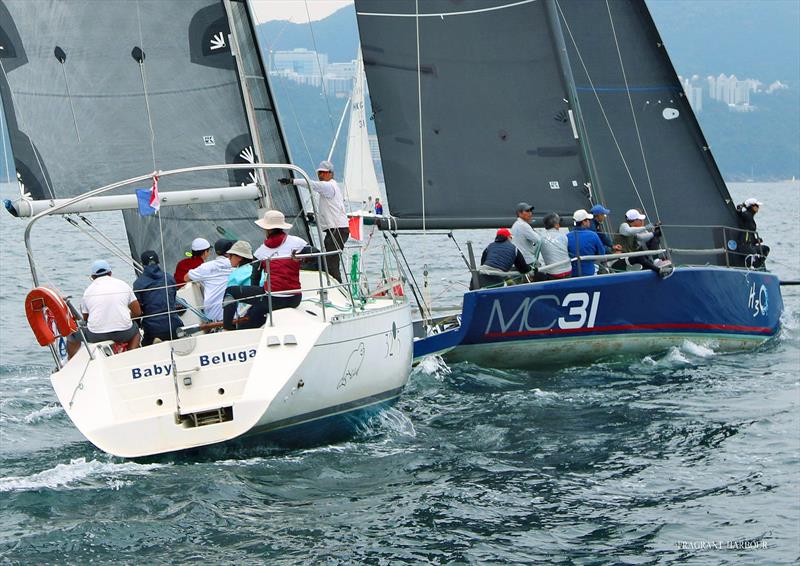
(293,376)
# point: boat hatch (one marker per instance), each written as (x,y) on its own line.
(203,418)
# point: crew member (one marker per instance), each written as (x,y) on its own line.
(500,255)
(750,244)
(332,216)
(214,277)
(525,237)
(108,305)
(201,250)
(155,291)
(281,268)
(635,236)
(554,249)
(583,241)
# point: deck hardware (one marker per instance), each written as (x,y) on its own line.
(273,341)
(289,340)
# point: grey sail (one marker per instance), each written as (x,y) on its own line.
(645,147)
(496,126)
(96,92)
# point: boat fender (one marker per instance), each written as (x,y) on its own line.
(46,309)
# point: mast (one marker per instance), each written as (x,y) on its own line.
(573,102)
(266,197)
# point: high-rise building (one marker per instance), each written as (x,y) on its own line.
(301,61)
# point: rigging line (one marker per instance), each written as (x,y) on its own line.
(69,97)
(103,240)
(633,113)
(319,65)
(25,129)
(600,104)
(144,86)
(166,283)
(443,14)
(419,111)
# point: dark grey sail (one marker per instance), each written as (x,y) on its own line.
(496,126)
(646,148)
(96,92)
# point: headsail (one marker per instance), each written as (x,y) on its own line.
(646,148)
(471,112)
(359,171)
(95,92)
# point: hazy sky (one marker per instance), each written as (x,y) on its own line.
(295,10)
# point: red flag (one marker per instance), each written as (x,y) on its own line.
(356,225)
(154,202)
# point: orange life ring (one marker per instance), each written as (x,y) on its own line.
(44,307)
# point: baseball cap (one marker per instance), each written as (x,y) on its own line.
(242,249)
(200,244)
(524,207)
(149,257)
(222,246)
(504,232)
(599,209)
(752,202)
(325,166)
(581,215)
(100,267)
(634,214)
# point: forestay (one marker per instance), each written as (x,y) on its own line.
(95,92)
(471,112)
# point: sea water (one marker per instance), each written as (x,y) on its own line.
(687,456)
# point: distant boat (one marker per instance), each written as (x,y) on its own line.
(564,104)
(181,85)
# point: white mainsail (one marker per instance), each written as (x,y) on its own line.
(359,171)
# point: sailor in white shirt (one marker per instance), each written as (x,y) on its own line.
(214,277)
(332,217)
(524,236)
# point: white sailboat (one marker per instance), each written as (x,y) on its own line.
(311,372)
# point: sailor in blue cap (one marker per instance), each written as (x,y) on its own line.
(600,212)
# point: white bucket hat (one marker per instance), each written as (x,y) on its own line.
(273,219)
(581,215)
(242,249)
(634,214)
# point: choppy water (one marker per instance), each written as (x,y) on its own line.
(689,456)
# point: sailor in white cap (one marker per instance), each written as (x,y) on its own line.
(332,215)
(751,245)
(201,250)
(108,306)
(635,236)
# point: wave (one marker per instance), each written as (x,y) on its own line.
(434,366)
(78,474)
(44,413)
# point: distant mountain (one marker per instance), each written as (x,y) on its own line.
(336,35)
(749,38)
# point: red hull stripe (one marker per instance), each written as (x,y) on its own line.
(623,327)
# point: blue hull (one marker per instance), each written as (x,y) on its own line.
(587,318)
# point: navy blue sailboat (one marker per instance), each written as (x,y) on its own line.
(566,104)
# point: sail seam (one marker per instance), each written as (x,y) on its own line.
(600,105)
(443,14)
(633,112)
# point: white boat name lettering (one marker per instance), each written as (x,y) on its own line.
(582,313)
(224,357)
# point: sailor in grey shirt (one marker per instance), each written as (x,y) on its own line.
(524,236)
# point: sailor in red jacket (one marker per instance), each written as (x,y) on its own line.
(281,268)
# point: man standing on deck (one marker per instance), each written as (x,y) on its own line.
(332,216)
(751,245)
